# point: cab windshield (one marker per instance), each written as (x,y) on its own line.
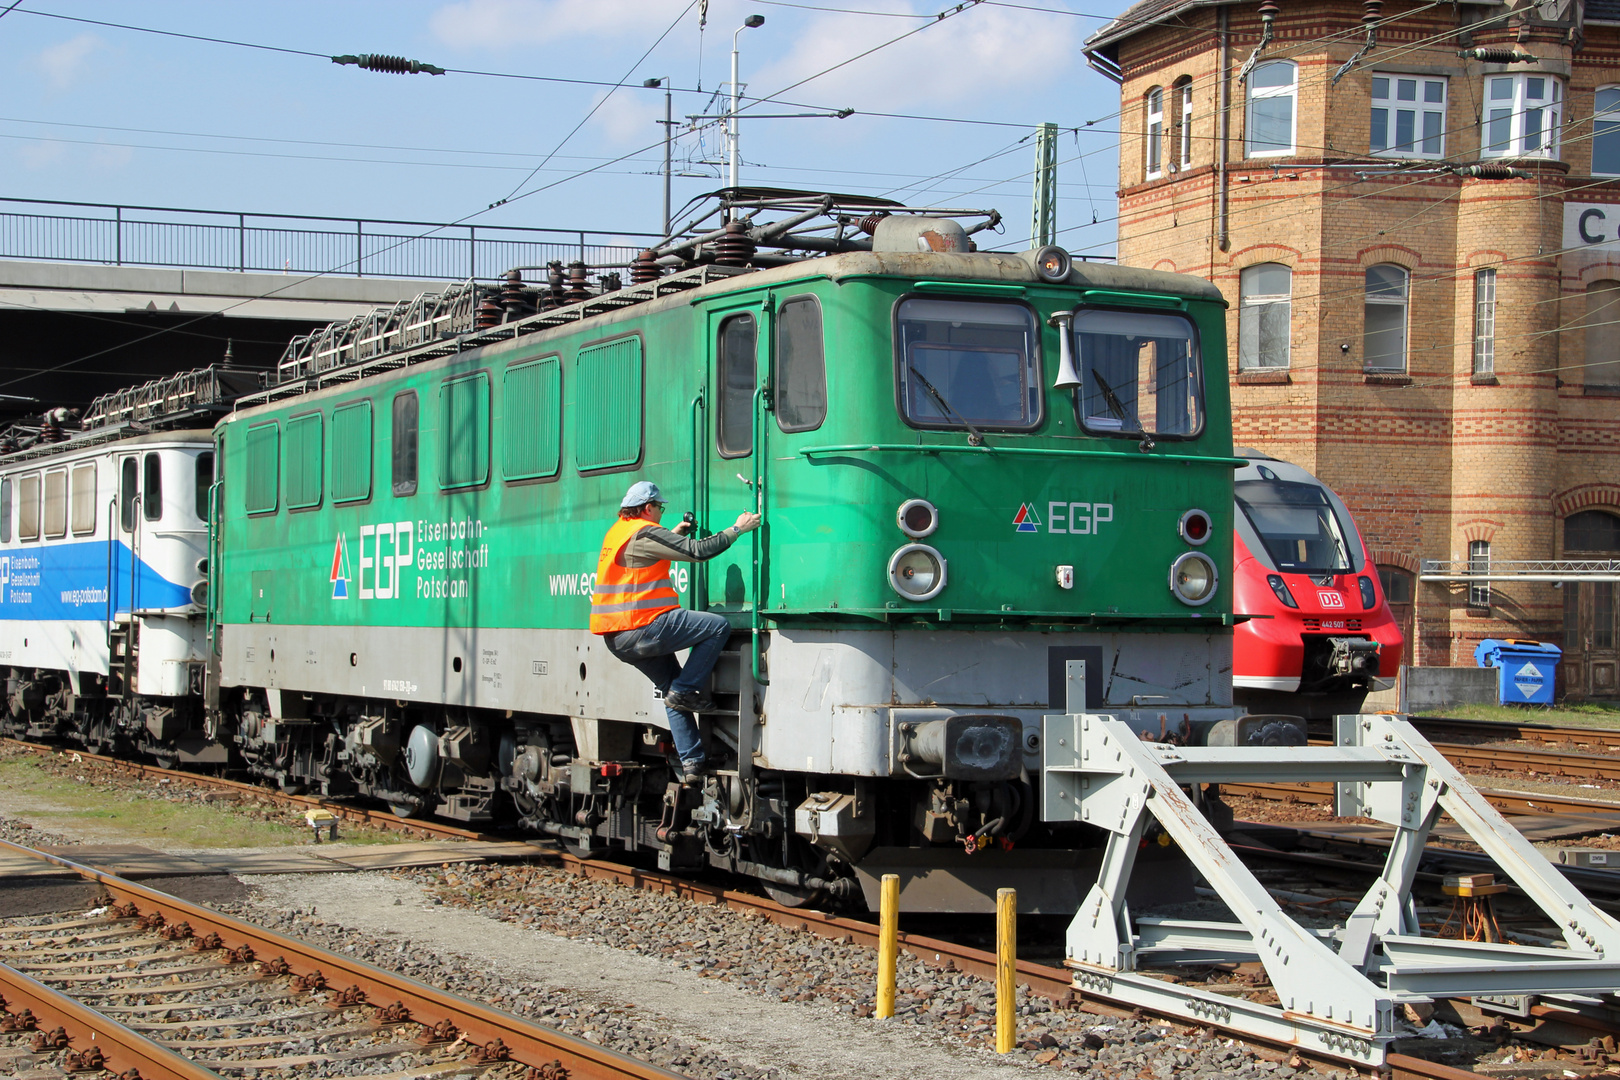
(1139,374)
(1296,522)
(968,364)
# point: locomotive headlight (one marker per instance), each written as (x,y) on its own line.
(199,593)
(1052,263)
(1193,578)
(917,518)
(1279,588)
(1369,599)
(917,572)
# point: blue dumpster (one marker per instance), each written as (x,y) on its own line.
(1524,669)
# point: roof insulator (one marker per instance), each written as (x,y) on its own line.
(1371,12)
(394,65)
(1496,55)
(1491,172)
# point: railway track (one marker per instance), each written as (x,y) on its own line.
(1053,983)
(1447,729)
(175,990)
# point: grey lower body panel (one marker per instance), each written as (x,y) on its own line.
(835,700)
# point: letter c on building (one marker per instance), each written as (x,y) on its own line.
(1580,225)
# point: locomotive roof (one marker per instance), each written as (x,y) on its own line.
(102,439)
(357,360)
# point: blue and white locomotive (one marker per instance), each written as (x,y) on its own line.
(103,571)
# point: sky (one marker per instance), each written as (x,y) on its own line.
(107,114)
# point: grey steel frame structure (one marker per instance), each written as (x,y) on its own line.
(1338,987)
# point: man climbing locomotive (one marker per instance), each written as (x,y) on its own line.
(635,609)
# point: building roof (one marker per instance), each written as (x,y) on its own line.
(1603,10)
(1146,13)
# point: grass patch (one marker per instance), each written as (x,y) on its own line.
(56,795)
(1592,714)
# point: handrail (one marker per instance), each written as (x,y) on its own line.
(700,499)
(1028,451)
(112,564)
(211,609)
(757,619)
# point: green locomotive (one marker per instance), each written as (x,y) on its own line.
(972,468)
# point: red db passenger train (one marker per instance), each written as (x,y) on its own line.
(1325,637)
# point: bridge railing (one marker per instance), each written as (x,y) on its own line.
(113,235)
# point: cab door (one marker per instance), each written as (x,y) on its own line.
(736,349)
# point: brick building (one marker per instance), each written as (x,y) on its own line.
(1439,344)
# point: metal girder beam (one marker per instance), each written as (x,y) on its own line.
(1336,988)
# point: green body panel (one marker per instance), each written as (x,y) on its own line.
(519,553)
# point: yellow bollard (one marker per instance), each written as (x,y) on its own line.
(888,943)
(1006,970)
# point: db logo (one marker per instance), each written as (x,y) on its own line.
(1330,599)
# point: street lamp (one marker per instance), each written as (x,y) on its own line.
(669,128)
(749,23)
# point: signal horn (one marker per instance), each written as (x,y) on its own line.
(1068,377)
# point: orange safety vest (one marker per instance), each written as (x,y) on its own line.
(627,597)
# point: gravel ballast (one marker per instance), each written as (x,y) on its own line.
(706,991)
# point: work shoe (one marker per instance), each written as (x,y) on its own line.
(694,772)
(689,701)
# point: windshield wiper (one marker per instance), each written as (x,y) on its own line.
(975,438)
(1111,399)
(1117,407)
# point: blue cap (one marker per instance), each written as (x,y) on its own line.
(641,492)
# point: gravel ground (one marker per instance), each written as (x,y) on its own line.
(706,991)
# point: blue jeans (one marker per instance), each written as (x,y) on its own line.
(652,648)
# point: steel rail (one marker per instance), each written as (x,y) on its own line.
(1514,803)
(122,1049)
(1573,764)
(528,1043)
(1449,727)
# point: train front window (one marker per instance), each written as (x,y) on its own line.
(1139,374)
(1301,532)
(967,364)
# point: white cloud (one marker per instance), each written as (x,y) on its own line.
(41,155)
(63,64)
(506,24)
(111,158)
(982,52)
(631,118)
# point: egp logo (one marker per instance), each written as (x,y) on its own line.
(385,550)
(5,577)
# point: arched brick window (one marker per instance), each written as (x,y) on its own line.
(1154,103)
(1268,126)
(1384,329)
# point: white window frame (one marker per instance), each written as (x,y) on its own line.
(1427,117)
(1606,113)
(1185,95)
(1479,562)
(1517,111)
(1250,308)
(1485,321)
(1290,91)
(1405,301)
(1154,151)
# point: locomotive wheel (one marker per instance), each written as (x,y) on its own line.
(405,810)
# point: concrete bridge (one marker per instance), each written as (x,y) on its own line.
(94,297)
